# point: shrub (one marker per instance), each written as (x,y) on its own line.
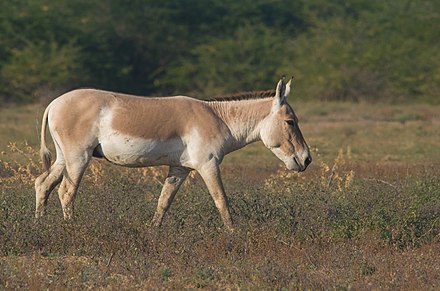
(38,69)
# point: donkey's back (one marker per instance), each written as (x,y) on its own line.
(130,130)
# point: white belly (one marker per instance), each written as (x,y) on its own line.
(137,152)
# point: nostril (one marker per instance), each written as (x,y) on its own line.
(307,161)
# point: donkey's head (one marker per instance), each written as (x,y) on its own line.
(281,134)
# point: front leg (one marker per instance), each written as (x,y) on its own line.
(210,173)
(175,178)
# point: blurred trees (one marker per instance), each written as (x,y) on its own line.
(371,50)
(348,50)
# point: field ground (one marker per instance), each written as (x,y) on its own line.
(365,215)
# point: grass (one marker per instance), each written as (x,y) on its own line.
(365,215)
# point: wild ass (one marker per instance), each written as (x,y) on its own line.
(181,132)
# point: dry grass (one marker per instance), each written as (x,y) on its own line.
(366,215)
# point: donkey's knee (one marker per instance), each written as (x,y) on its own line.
(40,179)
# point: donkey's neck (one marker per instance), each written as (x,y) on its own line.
(243,118)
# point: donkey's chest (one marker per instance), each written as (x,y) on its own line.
(137,152)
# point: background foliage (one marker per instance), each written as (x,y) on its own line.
(346,50)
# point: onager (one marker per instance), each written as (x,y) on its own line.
(181,132)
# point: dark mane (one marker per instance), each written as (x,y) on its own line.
(244,96)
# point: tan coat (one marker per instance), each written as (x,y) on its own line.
(181,132)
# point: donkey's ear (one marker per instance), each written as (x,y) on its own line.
(287,92)
(280,94)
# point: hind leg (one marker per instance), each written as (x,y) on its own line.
(75,169)
(45,184)
(176,176)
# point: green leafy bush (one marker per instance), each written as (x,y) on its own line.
(37,69)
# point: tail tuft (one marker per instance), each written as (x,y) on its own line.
(46,158)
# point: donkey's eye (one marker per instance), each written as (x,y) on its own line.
(290,122)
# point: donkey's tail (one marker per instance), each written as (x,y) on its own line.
(44,151)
